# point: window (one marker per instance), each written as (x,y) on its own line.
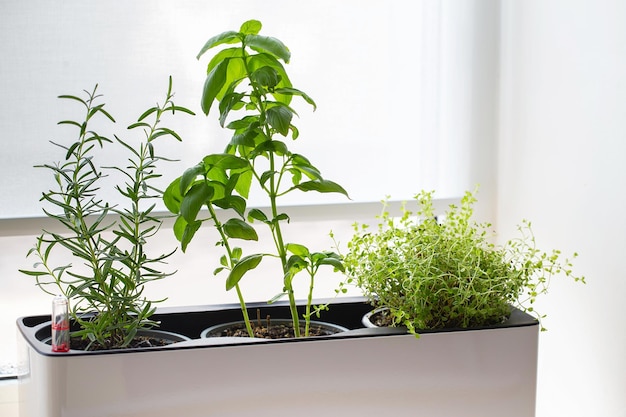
(396,84)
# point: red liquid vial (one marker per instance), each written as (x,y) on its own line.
(60,324)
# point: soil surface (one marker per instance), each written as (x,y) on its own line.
(382,318)
(77,343)
(271,331)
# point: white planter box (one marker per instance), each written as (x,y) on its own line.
(364,372)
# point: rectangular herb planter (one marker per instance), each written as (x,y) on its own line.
(366,372)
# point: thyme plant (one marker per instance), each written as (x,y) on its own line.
(444,272)
(253,94)
(106,291)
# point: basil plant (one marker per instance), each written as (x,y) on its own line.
(248,87)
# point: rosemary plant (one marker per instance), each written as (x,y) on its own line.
(106,290)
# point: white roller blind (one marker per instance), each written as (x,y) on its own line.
(387,122)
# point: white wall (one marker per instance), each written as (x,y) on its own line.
(561,164)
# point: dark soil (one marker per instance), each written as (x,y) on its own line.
(273,331)
(77,343)
(382,318)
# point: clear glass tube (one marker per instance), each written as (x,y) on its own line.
(60,324)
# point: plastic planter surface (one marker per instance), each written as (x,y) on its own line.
(362,372)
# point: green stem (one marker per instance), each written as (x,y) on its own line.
(282,253)
(82,230)
(244,311)
(229,252)
(309,301)
(273,192)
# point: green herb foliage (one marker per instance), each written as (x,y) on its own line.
(106,290)
(253,92)
(443,272)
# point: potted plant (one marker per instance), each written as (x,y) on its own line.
(429,272)
(486,372)
(250,87)
(105,290)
